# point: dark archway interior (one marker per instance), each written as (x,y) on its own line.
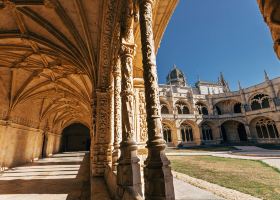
(242,132)
(76,137)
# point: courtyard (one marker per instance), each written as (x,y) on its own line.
(256,175)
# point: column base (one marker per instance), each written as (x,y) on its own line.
(158,177)
(128,172)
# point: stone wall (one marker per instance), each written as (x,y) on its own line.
(20,144)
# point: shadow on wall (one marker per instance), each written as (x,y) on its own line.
(76,137)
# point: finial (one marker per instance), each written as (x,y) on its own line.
(198,78)
(174,66)
(266,77)
(239,85)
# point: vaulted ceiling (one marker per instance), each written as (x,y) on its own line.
(54,53)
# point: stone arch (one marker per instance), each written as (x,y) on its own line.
(264,129)
(189,132)
(165,107)
(202,108)
(233,131)
(76,137)
(182,107)
(259,101)
(226,106)
(207,132)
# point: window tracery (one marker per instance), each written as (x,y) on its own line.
(202,109)
(207,132)
(266,128)
(167,133)
(182,108)
(186,133)
(260,101)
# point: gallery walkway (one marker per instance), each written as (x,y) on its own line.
(63,177)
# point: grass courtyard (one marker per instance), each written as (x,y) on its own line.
(247,176)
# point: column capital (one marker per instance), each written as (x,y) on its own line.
(128,49)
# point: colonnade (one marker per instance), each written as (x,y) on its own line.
(123,157)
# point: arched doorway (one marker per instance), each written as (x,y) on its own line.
(76,137)
(233,131)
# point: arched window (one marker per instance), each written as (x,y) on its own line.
(207,132)
(202,109)
(266,129)
(237,108)
(186,133)
(164,109)
(260,101)
(182,108)
(167,133)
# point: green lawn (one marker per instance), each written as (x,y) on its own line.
(247,176)
(202,148)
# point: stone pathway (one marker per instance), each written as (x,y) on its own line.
(186,191)
(62,177)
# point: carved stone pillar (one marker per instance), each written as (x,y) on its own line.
(117,113)
(157,172)
(128,169)
(102,146)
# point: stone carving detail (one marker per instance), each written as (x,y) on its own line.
(157,164)
(102,148)
(271,13)
(127,53)
(106,42)
(142,117)
(117,111)
(128,169)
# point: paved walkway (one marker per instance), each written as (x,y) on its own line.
(186,191)
(62,177)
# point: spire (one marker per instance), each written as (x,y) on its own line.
(222,79)
(198,78)
(224,83)
(239,85)
(266,77)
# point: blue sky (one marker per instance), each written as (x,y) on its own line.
(206,37)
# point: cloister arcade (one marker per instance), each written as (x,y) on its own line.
(93,62)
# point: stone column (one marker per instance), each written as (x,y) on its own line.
(157,172)
(102,147)
(117,113)
(248,132)
(128,169)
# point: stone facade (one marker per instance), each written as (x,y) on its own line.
(210,113)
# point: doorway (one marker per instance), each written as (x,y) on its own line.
(76,137)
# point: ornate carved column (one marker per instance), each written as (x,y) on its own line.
(157,172)
(117,113)
(102,146)
(128,169)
